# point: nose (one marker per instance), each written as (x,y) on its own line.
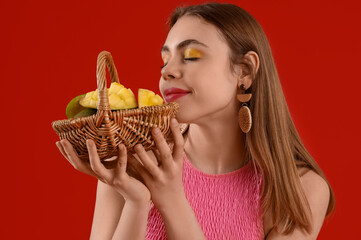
(171,71)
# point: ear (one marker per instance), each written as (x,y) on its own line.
(248,69)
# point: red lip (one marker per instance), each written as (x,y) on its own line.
(173,93)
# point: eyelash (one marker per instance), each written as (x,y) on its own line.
(185,59)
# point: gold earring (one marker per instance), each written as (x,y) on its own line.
(244,114)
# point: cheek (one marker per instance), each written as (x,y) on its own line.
(161,88)
(213,90)
(214,83)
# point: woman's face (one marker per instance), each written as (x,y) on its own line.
(196,59)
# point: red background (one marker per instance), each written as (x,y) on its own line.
(48,56)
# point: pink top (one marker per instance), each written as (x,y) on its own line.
(227,206)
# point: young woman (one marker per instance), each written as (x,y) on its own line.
(238,168)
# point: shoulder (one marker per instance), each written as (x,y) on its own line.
(315,187)
(317,193)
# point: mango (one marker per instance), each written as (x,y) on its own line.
(119,98)
(86,112)
(148,98)
(74,107)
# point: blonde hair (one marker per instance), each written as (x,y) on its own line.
(273,142)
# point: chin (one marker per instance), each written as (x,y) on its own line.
(181,119)
(183,116)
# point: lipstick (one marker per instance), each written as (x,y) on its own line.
(172,94)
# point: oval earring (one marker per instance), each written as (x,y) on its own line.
(244,114)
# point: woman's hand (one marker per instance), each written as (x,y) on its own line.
(164,180)
(132,189)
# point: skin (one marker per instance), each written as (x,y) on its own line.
(211,109)
(117,190)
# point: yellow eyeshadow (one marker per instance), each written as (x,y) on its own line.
(164,59)
(192,53)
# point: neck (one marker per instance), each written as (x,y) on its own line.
(216,147)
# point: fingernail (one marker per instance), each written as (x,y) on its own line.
(174,121)
(156,130)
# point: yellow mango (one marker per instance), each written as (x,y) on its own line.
(148,98)
(119,98)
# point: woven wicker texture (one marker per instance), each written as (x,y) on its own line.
(108,128)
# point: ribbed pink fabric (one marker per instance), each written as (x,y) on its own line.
(227,206)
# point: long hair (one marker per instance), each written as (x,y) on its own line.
(273,142)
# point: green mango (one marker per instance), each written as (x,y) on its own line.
(86,112)
(74,107)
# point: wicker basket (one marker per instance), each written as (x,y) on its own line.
(108,128)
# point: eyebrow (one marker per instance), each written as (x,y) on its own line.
(183,44)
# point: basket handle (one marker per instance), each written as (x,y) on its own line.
(105,59)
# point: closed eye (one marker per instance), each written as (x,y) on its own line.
(190,59)
(185,59)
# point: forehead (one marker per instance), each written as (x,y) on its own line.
(191,27)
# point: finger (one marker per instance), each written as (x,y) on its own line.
(139,168)
(163,148)
(122,160)
(148,164)
(132,172)
(61,149)
(77,163)
(95,163)
(157,155)
(178,147)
